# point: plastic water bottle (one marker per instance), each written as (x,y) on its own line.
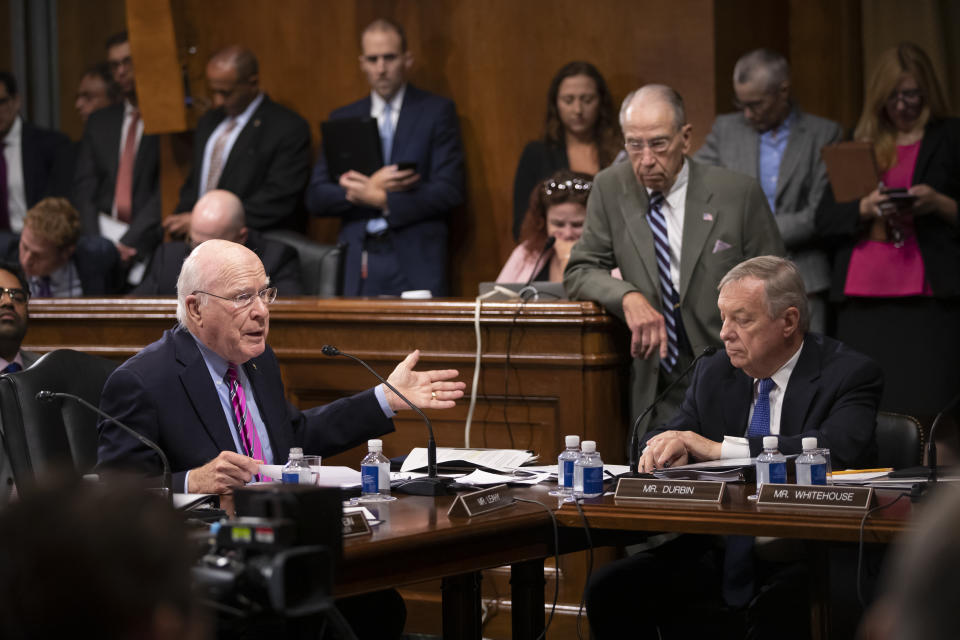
(374,471)
(296,471)
(811,466)
(565,462)
(588,472)
(771,464)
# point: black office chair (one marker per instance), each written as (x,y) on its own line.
(40,437)
(899,440)
(321,265)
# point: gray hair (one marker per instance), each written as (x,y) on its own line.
(191,279)
(782,285)
(657,91)
(764,65)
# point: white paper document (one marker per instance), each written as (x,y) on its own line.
(496,459)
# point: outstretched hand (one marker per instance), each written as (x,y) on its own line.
(435,389)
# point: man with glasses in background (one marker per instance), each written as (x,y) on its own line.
(772,140)
(211,394)
(673,227)
(220,215)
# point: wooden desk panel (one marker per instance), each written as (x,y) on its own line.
(567,369)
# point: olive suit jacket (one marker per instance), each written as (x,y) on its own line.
(726,221)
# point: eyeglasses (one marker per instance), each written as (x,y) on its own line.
(910,97)
(635,146)
(267,295)
(16,295)
(126,61)
(386,57)
(573,185)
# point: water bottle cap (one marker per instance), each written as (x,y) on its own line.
(809,443)
(770,442)
(589,446)
(375,445)
(295,452)
(572,441)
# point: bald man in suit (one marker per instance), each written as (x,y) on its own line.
(708,220)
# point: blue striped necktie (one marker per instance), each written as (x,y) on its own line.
(671,301)
(760,422)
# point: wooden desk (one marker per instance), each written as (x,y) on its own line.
(619,522)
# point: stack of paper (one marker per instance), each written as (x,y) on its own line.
(455,459)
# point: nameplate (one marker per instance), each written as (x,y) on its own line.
(829,496)
(355,524)
(472,504)
(687,490)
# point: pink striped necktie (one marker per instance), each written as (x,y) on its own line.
(249,438)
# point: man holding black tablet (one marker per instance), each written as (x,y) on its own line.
(395,220)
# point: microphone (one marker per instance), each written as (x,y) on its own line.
(546,248)
(50,396)
(634,432)
(931,469)
(432,485)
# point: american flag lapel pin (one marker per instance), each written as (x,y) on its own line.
(707,216)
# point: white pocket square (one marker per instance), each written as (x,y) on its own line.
(720,245)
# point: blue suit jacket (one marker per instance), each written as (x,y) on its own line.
(428,134)
(165,392)
(832,395)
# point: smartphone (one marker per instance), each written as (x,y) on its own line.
(403,166)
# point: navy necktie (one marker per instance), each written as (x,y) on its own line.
(13,367)
(658,224)
(760,422)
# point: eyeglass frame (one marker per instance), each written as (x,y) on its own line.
(11,292)
(910,97)
(644,144)
(244,300)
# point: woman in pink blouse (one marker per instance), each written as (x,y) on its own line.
(897,266)
(558,207)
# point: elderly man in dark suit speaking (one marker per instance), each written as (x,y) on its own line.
(674,227)
(249,145)
(209,392)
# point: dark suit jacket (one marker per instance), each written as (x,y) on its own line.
(538,162)
(96,260)
(833,394)
(42,151)
(268,166)
(429,135)
(165,393)
(726,221)
(95,180)
(280,261)
(938,165)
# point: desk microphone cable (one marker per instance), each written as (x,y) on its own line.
(556,561)
(586,531)
(863,522)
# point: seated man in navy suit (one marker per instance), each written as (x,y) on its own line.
(56,259)
(210,392)
(774,378)
(394,222)
(249,145)
(219,214)
(30,159)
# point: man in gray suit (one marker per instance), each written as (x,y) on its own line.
(673,227)
(772,140)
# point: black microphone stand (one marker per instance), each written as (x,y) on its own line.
(635,430)
(432,485)
(526,286)
(48,396)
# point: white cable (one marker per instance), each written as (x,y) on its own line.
(476,363)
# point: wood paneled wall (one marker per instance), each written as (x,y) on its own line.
(495,58)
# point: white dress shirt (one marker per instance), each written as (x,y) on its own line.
(16,190)
(736,447)
(673,210)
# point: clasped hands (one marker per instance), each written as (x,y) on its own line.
(435,389)
(371,191)
(672,448)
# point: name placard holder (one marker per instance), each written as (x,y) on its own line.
(824,496)
(475,503)
(355,524)
(685,490)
